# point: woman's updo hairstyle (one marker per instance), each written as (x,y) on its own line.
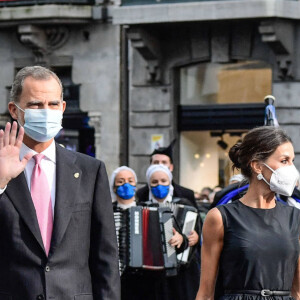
(257,145)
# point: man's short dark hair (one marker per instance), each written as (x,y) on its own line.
(36,72)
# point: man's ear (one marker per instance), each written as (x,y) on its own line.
(13,110)
(171,167)
(64,103)
(256,167)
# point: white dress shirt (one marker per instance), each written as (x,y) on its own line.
(48,164)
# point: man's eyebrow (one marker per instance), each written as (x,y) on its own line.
(34,102)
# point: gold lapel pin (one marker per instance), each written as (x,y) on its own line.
(76,175)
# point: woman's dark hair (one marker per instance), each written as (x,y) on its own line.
(258,144)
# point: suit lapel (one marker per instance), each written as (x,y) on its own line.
(18,192)
(67,182)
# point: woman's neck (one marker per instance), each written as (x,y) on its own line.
(258,196)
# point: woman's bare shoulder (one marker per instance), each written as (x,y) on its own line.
(214,217)
(213,228)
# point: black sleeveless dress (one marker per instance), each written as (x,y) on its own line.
(261,250)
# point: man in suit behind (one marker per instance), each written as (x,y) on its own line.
(164,156)
(66,249)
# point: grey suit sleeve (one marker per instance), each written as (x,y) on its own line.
(103,252)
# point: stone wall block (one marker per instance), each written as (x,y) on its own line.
(139,69)
(287,94)
(150,99)
(150,119)
(140,139)
(140,165)
(288,116)
(293,132)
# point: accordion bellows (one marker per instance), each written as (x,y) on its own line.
(143,234)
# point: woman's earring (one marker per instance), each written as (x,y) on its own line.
(260,176)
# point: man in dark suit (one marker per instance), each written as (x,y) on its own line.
(65,250)
(164,156)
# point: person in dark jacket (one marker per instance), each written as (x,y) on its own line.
(164,156)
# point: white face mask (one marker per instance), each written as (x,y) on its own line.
(283,179)
(42,124)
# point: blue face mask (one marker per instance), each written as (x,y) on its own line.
(42,124)
(160,191)
(126,191)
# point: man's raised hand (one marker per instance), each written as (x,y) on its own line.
(10,145)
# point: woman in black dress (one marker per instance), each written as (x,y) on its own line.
(252,244)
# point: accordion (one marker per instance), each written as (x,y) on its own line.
(143,234)
(186,218)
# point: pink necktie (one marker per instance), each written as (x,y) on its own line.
(41,197)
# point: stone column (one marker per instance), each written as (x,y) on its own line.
(95,122)
(287,110)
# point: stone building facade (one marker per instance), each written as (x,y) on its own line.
(78,41)
(136,70)
(166,38)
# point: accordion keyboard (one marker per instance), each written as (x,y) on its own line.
(120,226)
(168,229)
(185,217)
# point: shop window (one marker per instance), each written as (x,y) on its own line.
(209,83)
(204,160)
(219,103)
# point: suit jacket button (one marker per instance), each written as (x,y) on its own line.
(47,269)
(40,297)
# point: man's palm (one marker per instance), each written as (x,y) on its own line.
(10,145)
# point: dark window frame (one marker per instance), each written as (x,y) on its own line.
(220,116)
